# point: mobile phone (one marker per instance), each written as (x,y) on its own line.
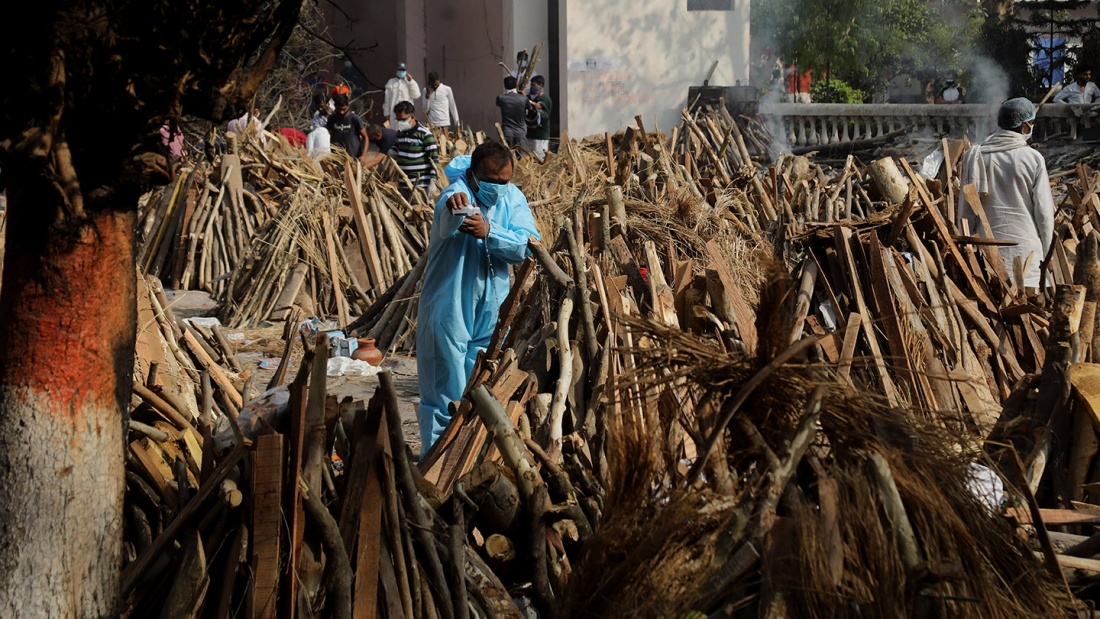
(469,209)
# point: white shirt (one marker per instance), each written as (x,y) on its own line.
(247,124)
(318,142)
(399,89)
(1015,189)
(1075,94)
(440,106)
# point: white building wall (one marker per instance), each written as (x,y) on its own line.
(524,28)
(616,58)
(622,59)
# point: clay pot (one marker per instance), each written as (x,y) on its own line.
(367,352)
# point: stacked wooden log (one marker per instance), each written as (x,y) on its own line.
(712,390)
(675,438)
(271,526)
(654,471)
(281,231)
(330,259)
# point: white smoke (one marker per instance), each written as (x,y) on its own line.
(988,81)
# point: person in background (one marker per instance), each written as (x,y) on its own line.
(248,125)
(382,141)
(346,129)
(340,89)
(466,278)
(322,108)
(318,143)
(513,113)
(951,93)
(293,136)
(1014,189)
(798,85)
(1082,90)
(538,117)
(416,151)
(439,104)
(171,137)
(398,89)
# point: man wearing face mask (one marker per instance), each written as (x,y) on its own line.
(415,150)
(538,117)
(1014,189)
(951,93)
(466,278)
(398,89)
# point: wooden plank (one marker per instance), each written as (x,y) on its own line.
(296,409)
(843,243)
(970,309)
(156,470)
(369,553)
(333,266)
(888,315)
(1054,517)
(510,305)
(947,239)
(1074,563)
(364,232)
(1085,378)
(661,296)
(851,336)
(364,437)
(462,457)
(746,322)
(216,373)
(267,516)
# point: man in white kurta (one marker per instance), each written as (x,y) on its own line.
(439,104)
(1011,179)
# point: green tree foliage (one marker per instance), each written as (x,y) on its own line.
(862,42)
(835,91)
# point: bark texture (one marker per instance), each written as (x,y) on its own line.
(87,87)
(66,357)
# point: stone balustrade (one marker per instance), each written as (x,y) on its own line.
(819,124)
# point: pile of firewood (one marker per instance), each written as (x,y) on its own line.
(712,390)
(281,231)
(864,380)
(306,508)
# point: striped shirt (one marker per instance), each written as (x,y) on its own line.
(414,153)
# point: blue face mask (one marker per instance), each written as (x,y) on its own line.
(401,74)
(488,194)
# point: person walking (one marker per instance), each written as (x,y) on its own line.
(346,129)
(513,113)
(539,107)
(466,278)
(439,104)
(415,151)
(1014,188)
(400,88)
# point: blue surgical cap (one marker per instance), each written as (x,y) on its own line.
(1015,112)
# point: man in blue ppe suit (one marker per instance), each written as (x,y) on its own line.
(481,225)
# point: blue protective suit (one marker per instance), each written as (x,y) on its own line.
(465,282)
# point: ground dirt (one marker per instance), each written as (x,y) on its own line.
(260,350)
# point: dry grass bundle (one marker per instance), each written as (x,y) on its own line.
(877,520)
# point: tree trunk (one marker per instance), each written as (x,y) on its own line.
(67,329)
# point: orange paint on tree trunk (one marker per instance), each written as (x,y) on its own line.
(69,313)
